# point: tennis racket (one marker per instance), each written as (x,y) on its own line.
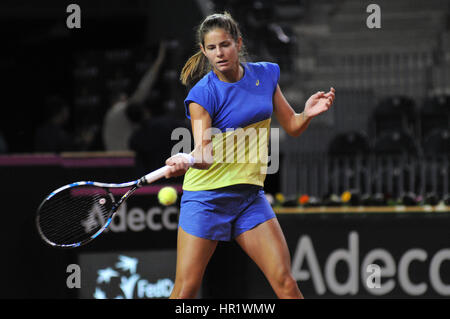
(75,214)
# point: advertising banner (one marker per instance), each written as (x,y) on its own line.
(357,255)
(127,275)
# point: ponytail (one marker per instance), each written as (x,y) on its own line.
(195,68)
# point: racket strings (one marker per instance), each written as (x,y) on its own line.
(75,214)
(66,227)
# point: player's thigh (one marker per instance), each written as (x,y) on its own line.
(193,254)
(266,245)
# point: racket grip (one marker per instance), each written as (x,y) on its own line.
(161,172)
(154,176)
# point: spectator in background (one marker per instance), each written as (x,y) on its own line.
(51,136)
(88,137)
(152,140)
(118,126)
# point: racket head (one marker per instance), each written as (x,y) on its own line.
(75,214)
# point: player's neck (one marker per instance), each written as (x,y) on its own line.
(231,76)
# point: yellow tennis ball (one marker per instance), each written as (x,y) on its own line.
(346,196)
(167,195)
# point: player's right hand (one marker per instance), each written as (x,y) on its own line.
(178,165)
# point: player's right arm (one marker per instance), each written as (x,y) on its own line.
(202,153)
(201,129)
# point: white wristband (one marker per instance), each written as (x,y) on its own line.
(189,158)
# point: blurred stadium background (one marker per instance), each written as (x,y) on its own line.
(101,102)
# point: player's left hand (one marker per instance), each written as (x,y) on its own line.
(319,103)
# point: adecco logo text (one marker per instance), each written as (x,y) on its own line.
(136,219)
(305,253)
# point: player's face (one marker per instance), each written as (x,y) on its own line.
(222,50)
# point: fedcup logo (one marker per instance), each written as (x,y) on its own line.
(247,145)
(129,281)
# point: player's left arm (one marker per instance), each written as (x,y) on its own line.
(295,123)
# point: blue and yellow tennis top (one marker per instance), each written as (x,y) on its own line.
(240,114)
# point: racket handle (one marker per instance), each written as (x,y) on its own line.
(154,176)
(161,172)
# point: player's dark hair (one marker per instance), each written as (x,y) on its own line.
(198,65)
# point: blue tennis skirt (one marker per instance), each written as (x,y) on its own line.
(224,213)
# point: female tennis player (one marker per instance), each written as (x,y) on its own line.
(224,200)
